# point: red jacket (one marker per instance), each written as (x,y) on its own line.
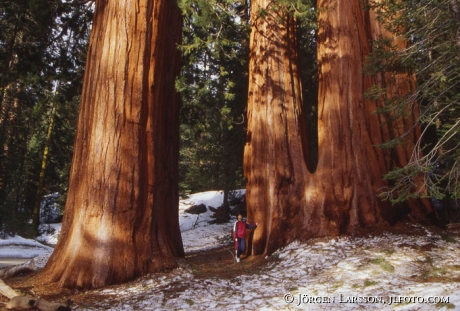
(239,229)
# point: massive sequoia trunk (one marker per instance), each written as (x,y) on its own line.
(341,196)
(121,217)
(273,158)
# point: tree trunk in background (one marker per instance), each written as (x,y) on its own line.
(6,104)
(121,217)
(41,178)
(454,7)
(11,153)
(341,196)
(273,158)
(400,125)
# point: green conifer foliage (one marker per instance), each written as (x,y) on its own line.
(42,45)
(213,86)
(432,27)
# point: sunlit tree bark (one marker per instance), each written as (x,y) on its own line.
(273,159)
(121,217)
(341,196)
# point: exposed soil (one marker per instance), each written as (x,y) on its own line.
(221,263)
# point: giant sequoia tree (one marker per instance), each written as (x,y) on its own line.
(121,217)
(341,196)
(273,159)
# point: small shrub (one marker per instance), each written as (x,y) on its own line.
(221,215)
(439,271)
(369,283)
(383,263)
(425,274)
(386,266)
(189,302)
(448,238)
(389,251)
(440,305)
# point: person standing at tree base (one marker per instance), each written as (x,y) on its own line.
(239,235)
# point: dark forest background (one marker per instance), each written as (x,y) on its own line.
(42,60)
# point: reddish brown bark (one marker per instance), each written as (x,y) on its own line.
(403,125)
(121,217)
(341,196)
(342,193)
(273,159)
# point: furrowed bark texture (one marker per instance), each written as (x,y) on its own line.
(403,125)
(341,196)
(273,158)
(121,217)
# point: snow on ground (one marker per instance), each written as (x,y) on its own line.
(50,235)
(18,247)
(197,234)
(371,273)
(385,272)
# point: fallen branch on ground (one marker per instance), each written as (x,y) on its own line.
(13,270)
(7,291)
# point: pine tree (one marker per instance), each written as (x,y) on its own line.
(213,86)
(32,61)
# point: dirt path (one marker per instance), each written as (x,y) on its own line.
(220,262)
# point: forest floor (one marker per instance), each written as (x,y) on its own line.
(410,261)
(406,267)
(212,263)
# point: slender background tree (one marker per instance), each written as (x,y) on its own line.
(33,60)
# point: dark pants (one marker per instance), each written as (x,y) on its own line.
(240,247)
